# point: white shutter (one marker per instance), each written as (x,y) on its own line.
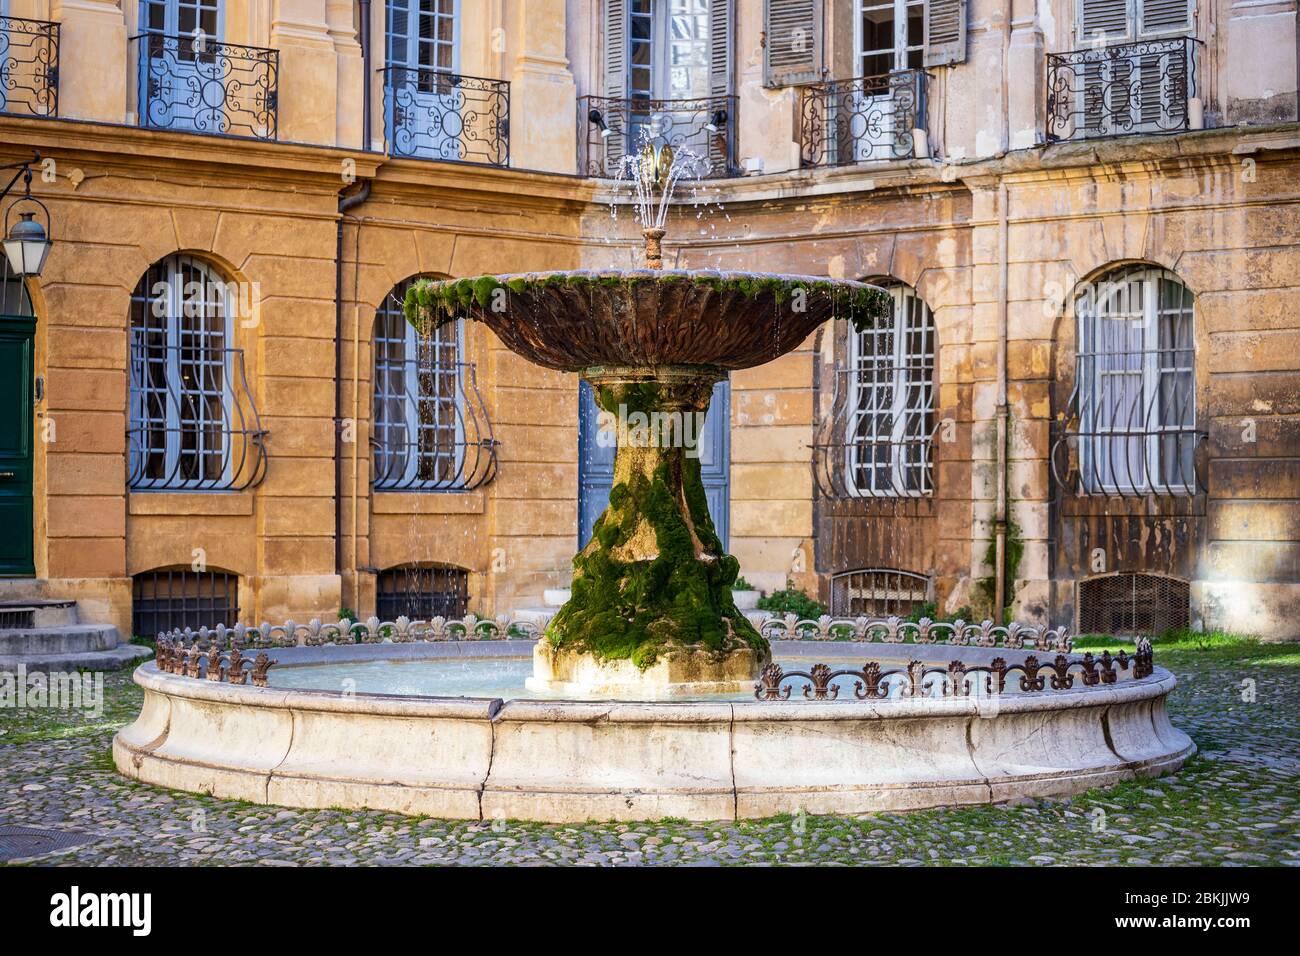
(945,32)
(616,48)
(790,49)
(1165,16)
(1103,20)
(720,47)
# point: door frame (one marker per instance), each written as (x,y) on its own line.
(21,326)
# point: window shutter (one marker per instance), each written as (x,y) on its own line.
(1104,19)
(790,50)
(945,32)
(720,47)
(616,48)
(1165,16)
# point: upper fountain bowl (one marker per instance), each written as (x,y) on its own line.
(578,320)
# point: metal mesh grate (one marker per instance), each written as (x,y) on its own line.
(422,592)
(22,842)
(1131,604)
(168,599)
(878,592)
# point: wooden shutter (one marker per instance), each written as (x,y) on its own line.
(1107,19)
(720,47)
(1164,16)
(616,48)
(615,145)
(945,32)
(790,48)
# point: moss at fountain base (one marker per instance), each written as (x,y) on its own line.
(676,672)
(654,578)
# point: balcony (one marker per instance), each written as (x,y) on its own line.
(1146,87)
(862,120)
(29,67)
(199,84)
(616,127)
(429,114)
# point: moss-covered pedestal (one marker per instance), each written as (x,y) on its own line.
(651,613)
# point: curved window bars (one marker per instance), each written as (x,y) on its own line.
(431,428)
(877,441)
(1129,428)
(193,425)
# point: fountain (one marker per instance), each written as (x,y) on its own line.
(649,694)
(651,613)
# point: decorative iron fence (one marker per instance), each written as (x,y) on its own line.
(1144,87)
(862,120)
(193,425)
(958,679)
(29,67)
(431,114)
(200,84)
(615,127)
(432,431)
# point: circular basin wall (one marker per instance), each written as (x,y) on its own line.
(571,761)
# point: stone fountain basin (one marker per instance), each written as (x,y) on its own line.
(572,761)
(642,318)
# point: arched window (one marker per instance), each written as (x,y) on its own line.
(427,436)
(169,598)
(878,592)
(1135,384)
(890,411)
(192,423)
(422,592)
(1133,604)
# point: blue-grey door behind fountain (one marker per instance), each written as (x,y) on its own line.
(596,461)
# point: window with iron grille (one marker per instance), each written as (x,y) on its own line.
(171,598)
(431,431)
(1133,604)
(1135,391)
(890,416)
(878,592)
(422,592)
(192,422)
(422,34)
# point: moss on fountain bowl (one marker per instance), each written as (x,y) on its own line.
(575,320)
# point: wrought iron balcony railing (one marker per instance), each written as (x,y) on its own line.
(429,114)
(29,67)
(1145,87)
(862,120)
(193,425)
(614,128)
(200,84)
(431,429)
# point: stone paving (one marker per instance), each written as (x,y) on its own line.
(1236,803)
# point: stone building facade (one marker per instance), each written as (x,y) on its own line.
(1086,209)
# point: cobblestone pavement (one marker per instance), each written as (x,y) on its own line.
(1237,802)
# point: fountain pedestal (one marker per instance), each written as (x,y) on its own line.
(651,614)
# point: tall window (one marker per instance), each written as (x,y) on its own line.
(668,49)
(891,36)
(185,18)
(1136,384)
(420,434)
(181,398)
(422,34)
(1106,21)
(891,401)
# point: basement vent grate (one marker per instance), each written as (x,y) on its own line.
(22,618)
(1132,604)
(22,842)
(878,592)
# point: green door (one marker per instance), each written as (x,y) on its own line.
(16,342)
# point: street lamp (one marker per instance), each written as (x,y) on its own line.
(26,243)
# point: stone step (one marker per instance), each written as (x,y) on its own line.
(124,655)
(65,639)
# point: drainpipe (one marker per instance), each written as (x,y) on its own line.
(1000,507)
(364,39)
(345,203)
